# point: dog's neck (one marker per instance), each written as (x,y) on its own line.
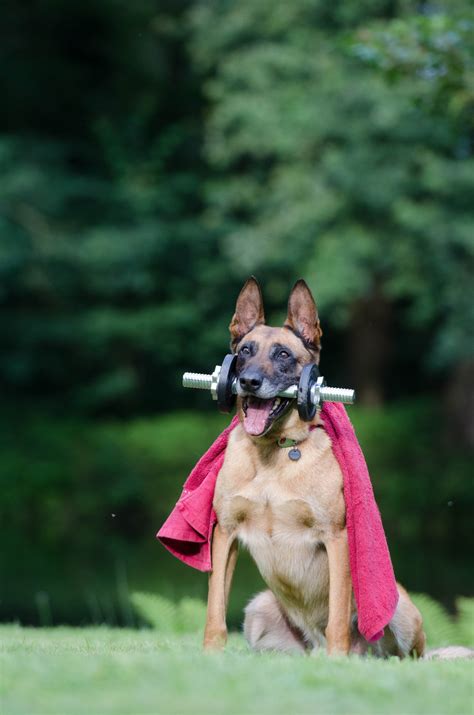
(291,427)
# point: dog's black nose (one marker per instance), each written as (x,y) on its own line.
(250,381)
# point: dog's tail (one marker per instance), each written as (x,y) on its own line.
(449,652)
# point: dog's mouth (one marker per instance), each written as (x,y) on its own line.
(259,415)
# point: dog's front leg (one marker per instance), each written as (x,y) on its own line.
(338,631)
(224,557)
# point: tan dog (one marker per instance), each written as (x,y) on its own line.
(289,514)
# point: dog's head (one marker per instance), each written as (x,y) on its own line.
(271,359)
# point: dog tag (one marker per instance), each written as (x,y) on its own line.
(294,454)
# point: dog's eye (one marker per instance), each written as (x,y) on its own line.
(283,354)
(245,351)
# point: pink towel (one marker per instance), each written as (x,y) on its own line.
(187,532)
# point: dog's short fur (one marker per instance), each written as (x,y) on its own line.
(289,514)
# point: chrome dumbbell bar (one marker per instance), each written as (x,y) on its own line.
(319,391)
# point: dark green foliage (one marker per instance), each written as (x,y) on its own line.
(441,628)
(148,165)
(189,615)
(152,155)
(106,275)
(81,504)
(348,160)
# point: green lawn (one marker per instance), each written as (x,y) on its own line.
(67,671)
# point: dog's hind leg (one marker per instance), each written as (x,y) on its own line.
(406,628)
(266,626)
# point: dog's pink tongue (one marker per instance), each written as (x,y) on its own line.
(257,414)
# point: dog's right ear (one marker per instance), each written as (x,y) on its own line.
(303,317)
(248,311)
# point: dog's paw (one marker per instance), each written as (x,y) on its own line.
(215,640)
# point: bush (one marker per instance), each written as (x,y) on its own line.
(443,629)
(186,616)
(189,616)
(82,501)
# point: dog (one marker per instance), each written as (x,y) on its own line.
(289,514)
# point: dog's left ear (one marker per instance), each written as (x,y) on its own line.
(303,316)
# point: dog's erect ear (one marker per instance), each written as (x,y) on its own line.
(302,315)
(248,311)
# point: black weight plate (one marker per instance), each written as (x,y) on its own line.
(309,375)
(225,397)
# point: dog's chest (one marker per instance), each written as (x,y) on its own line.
(281,500)
(264,513)
(284,512)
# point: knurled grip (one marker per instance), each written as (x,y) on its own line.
(197,380)
(337,394)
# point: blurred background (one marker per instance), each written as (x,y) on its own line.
(155,153)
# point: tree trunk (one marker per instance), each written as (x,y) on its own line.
(369,347)
(459,401)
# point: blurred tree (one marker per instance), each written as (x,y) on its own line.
(434,53)
(107,277)
(327,166)
(338,145)
(152,155)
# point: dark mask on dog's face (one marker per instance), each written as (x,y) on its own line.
(270,359)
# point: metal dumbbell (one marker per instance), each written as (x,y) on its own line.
(310,392)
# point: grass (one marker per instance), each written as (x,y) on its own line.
(110,671)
